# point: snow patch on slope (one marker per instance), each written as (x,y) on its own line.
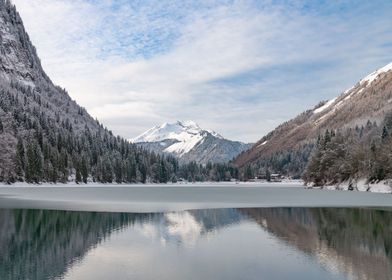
(356,89)
(262,144)
(184,146)
(325,106)
(352,93)
(371,77)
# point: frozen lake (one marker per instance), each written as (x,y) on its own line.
(162,198)
(224,231)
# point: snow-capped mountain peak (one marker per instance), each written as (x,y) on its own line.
(189,142)
(186,135)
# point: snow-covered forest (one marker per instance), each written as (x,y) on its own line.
(40,145)
(363,152)
(45,136)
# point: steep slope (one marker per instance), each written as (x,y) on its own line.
(45,135)
(190,143)
(369,100)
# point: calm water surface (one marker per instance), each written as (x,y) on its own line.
(258,243)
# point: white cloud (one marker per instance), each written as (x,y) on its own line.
(86,48)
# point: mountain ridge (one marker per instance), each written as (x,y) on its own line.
(291,143)
(189,142)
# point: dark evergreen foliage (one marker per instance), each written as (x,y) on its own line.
(49,149)
(290,163)
(45,136)
(194,172)
(351,154)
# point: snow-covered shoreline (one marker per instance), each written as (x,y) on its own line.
(361,186)
(286,183)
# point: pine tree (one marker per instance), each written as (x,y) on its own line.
(84,169)
(143,173)
(107,171)
(268,175)
(131,170)
(34,163)
(385,133)
(163,176)
(248,173)
(118,171)
(78,176)
(20,160)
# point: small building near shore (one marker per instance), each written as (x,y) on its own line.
(276,177)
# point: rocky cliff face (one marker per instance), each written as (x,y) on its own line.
(18,56)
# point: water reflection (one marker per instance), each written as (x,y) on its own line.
(185,228)
(356,242)
(223,243)
(39,244)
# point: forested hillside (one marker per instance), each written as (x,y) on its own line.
(349,155)
(45,136)
(287,148)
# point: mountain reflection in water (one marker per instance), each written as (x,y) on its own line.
(42,244)
(356,242)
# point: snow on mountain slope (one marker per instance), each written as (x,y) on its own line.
(186,140)
(371,77)
(325,106)
(356,89)
(187,135)
(368,100)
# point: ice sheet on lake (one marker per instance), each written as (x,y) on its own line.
(176,198)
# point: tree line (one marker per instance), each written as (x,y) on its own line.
(43,142)
(347,155)
(291,163)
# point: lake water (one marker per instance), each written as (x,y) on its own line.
(250,243)
(165,198)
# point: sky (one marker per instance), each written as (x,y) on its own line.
(237,67)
